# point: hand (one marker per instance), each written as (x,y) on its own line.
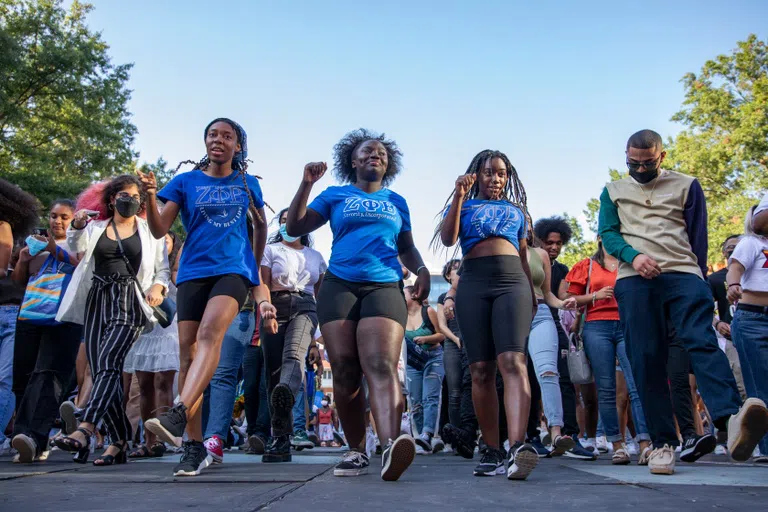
(267,311)
(51,248)
(646,266)
(148,182)
(422,285)
(419,340)
(24,256)
(314,356)
(734,293)
(270,326)
(569,303)
(464,184)
(80,219)
(724,329)
(313,171)
(605,293)
(449,310)
(155,296)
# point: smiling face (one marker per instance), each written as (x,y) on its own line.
(59,220)
(221,142)
(370,161)
(492,179)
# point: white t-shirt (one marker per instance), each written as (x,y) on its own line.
(762,206)
(293,270)
(752,252)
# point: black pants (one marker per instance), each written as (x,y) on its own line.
(255,392)
(285,352)
(452,361)
(678,369)
(114,320)
(43,363)
(568,392)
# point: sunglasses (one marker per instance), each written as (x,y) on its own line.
(633,166)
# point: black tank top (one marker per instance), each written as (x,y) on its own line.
(110,261)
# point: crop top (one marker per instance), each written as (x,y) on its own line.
(481,219)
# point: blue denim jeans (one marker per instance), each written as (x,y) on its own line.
(8,314)
(424,388)
(299,411)
(750,335)
(648,307)
(604,343)
(219,396)
(543,346)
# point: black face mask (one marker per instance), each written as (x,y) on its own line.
(644,177)
(127,206)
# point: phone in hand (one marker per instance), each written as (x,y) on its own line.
(41,232)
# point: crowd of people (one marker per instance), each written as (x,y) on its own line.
(114,327)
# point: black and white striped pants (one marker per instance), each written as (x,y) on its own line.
(114,320)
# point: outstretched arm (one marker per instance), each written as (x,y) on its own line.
(300,219)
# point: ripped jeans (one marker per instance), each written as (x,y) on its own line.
(424,388)
(543,349)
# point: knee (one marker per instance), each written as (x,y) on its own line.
(513,364)
(483,374)
(346,376)
(380,367)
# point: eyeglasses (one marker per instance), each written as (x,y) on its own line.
(648,166)
(126,194)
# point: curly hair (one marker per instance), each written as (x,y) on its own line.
(276,238)
(19,209)
(118,184)
(448,267)
(514,192)
(344,152)
(556,224)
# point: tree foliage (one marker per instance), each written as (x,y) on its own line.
(579,247)
(64,119)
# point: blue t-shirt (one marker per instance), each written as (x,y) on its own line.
(365,232)
(481,219)
(214,212)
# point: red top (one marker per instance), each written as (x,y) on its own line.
(325,417)
(606,309)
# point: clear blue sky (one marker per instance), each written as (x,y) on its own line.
(558,87)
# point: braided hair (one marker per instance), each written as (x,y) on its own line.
(514,192)
(239,161)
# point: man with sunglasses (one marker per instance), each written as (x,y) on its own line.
(655,222)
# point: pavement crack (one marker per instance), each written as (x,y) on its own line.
(289,491)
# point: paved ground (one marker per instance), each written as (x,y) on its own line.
(434,482)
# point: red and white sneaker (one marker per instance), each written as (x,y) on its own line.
(215,449)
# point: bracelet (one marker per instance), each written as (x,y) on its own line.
(261,302)
(734,284)
(419,269)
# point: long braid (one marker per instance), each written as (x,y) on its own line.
(514,191)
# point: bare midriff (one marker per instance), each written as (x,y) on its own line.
(494,246)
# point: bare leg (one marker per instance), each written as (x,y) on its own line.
(147,402)
(486,401)
(379,343)
(622,402)
(341,343)
(219,314)
(517,393)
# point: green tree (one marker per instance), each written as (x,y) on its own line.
(725,140)
(64,119)
(163,174)
(579,247)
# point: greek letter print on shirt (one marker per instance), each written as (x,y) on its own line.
(481,219)
(214,213)
(365,230)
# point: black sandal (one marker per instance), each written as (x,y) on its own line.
(142,452)
(109,460)
(81,450)
(157,450)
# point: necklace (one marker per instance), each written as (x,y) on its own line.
(647,197)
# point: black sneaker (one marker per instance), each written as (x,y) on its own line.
(68,413)
(353,464)
(491,464)
(313,437)
(397,456)
(170,425)
(282,401)
(194,459)
(522,459)
(539,447)
(278,450)
(579,452)
(256,445)
(695,447)
(461,440)
(424,441)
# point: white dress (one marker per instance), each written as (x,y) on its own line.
(158,350)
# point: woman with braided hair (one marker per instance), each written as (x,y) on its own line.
(494,302)
(218,267)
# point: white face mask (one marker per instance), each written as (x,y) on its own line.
(324,403)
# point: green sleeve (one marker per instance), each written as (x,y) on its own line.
(609,229)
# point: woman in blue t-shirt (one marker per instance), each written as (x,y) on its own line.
(217,269)
(494,302)
(361,307)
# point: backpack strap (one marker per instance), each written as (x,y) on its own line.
(425,318)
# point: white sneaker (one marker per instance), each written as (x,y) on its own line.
(633,448)
(424,443)
(721,450)
(437,445)
(589,444)
(405,425)
(746,428)
(602,444)
(678,449)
